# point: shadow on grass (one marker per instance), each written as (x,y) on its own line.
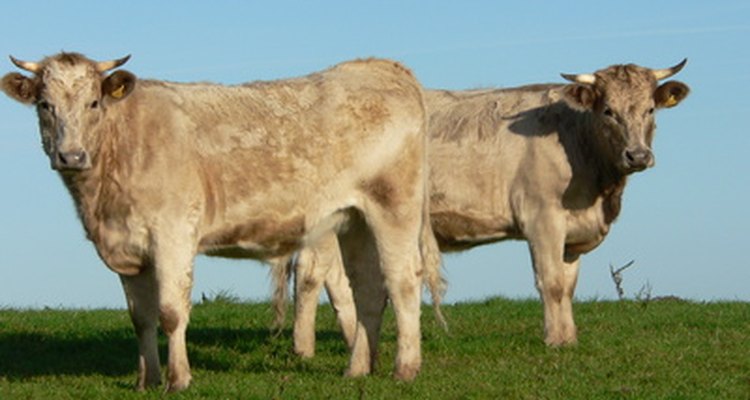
(115,352)
(254,350)
(25,355)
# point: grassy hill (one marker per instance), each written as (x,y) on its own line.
(668,349)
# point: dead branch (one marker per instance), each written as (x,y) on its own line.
(617,277)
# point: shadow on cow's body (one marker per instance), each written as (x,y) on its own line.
(543,163)
(592,178)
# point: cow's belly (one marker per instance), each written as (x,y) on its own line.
(245,250)
(457,231)
(258,239)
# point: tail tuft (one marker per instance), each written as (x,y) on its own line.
(281,271)
(434,279)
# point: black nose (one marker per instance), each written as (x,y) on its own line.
(638,159)
(76,159)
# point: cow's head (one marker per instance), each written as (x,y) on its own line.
(622,100)
(71,94)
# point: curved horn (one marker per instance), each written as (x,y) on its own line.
(26,65)
(107,65)
(580,78)
(665,73)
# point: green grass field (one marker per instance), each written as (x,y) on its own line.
(627,350)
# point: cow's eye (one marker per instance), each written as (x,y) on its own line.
(94,104)
(44,105)
(651,111)
(608,112)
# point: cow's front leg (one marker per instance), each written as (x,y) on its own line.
(570,280)
(316,265)
(340,294)
(555,278)
(143,305)
(174,277)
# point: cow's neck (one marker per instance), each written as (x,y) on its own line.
(611,192)
(95,191)
(609,180)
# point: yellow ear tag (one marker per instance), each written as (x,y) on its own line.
(119,92)
(671,101)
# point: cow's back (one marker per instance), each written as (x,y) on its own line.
(241,157)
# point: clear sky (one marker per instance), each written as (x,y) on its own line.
(684,222)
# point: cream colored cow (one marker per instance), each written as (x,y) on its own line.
(160,171)
(542,163)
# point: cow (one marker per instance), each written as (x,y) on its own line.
(161,171)
(545,163)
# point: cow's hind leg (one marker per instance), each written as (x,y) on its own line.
(402,268)
(142,297)
(361,260)
(340,294)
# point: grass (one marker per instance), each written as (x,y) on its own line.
(627,350)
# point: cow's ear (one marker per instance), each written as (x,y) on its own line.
(581,97)
(670,94)
(20,87)
(118,85)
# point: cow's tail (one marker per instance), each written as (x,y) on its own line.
(433,277)
(281,270)
(432,262)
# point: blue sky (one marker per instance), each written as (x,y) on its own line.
(684,222)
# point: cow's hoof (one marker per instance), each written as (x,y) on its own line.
(178,385)
(561,341)
(144,384)
(356,372)
(406,373)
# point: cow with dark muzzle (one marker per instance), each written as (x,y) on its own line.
(622,101)
(545,163)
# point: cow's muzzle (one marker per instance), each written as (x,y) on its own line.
(75,160)
(637,159)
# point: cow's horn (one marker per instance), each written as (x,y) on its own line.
(107,65)
(665,73)
(580,78)
(26,65)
